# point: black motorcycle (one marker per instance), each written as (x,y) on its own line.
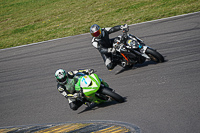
(131,50)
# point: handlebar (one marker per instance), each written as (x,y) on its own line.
(124,36)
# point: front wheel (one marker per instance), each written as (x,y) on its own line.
(113,95)
(154,55)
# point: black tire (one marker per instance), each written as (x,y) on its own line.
(154,55)
(113,95)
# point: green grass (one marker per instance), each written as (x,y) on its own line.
(29,21)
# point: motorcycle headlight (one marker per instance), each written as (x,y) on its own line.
(132,43)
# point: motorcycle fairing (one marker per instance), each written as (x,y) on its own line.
(85,81)
(89,84)
(91,90)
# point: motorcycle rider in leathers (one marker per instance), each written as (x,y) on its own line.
(102,42)
(66,86)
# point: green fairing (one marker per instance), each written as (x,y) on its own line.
(89,91)
(77,86)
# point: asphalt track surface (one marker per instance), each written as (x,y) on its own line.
(161,98)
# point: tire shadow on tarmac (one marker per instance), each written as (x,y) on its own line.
(146,63)
(94,106)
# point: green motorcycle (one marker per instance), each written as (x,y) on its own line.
(94,89)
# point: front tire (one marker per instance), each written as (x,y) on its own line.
(154,55)
(113,95)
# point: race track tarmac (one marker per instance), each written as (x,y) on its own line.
(160,98)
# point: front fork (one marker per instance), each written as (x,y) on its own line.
(143,49)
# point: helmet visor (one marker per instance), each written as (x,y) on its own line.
(63,80)
(97,33)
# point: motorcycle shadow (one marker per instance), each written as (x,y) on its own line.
(137,66)
(94,106)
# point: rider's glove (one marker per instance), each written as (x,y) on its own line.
(111,50)
(125,26)
(90,71)
(70,74)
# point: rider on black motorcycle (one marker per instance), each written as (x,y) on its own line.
(102,42)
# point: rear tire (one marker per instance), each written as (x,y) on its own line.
(154,55)
(113,95)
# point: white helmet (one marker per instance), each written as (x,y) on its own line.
(61,76)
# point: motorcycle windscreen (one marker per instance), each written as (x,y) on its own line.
(85,81)
(89,85)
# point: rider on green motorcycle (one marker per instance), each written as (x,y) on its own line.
(66,86)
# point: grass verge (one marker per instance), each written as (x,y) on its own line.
(29,21)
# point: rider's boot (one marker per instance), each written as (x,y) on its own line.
(86,102)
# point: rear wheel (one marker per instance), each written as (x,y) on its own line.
(154,55)
(113,95)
